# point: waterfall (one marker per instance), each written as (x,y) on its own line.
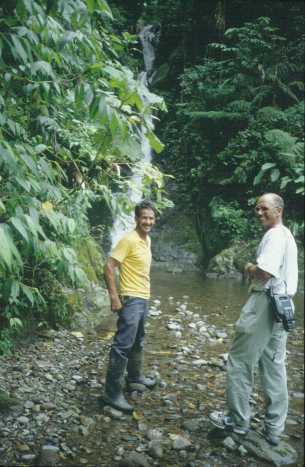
(149,37)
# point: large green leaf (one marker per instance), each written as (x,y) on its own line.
(104,8)
(28,292)
(18,48)
(42,67)
(5,250)
(14,250)
(91,5)
(275,175)
(267,166)
(155,142)
(20,227)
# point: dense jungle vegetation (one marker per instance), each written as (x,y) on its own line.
(73,112)
(231,73)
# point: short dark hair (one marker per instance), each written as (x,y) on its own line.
(145,204)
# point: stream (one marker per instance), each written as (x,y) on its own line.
(58,379)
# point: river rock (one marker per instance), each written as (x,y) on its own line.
(283,454)
(23,420)
(194,424)
(113,413)
(155,448)
(173,326)
(21,447)
(221,335)
(200,362)
(154,434)
(49,456)
(155,312)
(229,443)
(29,405)
(28,458)
(135,459)
(242,450)
(181,442)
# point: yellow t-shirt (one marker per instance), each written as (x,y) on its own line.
(134,255)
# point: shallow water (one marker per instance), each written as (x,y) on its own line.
(218,301)
(218,298)
(192,391)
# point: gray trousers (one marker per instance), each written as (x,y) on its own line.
(259,341)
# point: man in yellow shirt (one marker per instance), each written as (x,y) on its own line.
(132,256)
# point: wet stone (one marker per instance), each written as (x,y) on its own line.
(22,447)
(229,443)
(181,442)
(28,458)
(29,405)
(154,434)
(242,450)
(113,413)
(135,459)
(155,449)
(49,456)
(283,454)
(193,424)
(23,420)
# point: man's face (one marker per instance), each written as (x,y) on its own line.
(146,220)
(268,214)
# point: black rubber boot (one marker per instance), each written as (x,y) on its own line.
(135,379)
(113,394)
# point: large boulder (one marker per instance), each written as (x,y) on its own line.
(175,245)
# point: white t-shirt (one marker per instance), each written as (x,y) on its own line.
(277,254)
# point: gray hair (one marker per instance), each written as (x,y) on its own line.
(276,199)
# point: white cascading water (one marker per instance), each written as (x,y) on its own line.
(124,223)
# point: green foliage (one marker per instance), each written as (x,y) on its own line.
(229,219)
(71,112)
(237,131)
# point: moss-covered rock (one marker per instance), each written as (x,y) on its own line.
(91,259)
(231,261)
(223,263)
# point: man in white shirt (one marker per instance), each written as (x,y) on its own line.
(259,339)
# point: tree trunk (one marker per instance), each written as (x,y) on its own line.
(220,18)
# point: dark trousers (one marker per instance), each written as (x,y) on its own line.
(130,327)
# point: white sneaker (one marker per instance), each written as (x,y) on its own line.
(224,422)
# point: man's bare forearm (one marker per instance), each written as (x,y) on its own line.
(109,272)
(256,273)
(110,280)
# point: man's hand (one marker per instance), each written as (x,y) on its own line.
(116,304)
(247,275)
(249,269)
(253,271)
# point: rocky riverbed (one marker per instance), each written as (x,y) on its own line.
(56,417)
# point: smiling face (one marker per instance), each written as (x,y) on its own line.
(145,221)
(268,213)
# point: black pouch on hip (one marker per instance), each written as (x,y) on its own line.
(283,309)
